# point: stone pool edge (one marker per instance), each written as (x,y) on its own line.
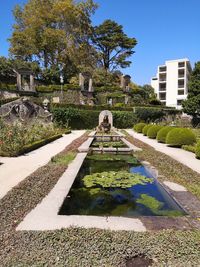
(45,215)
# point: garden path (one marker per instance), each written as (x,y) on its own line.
(185,157)
(14,170)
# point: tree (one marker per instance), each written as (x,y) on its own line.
(54,33)
(113,45)
(191,106)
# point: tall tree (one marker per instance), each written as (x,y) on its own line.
(191,106)
(113,45)
(52,32)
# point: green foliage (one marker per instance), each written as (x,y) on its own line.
(112,157)
(64,159)
(54,87)
(197,151)
(191,106)
(55,34)
(108,144)
(112,179)
(17,139)
(7,100)
(106,79)
(88,119)
(155,206)
(146,128)
(149,114)
(180,136)
(153,130)
(150,202)
(139,127)
(162,133)
(113,45)
(190,148)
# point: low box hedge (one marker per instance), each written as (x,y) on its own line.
(7,100)
(146,128)
(197,151)
(139,127)
(153,130)
(190,148)
(180,136)
(31,147)
(89,119)
(162,133)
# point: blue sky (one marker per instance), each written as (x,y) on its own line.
(164,29)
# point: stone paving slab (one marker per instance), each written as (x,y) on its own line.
(14,170)
(185,157)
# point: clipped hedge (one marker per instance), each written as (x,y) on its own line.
(190,148)
(146,128)
(7,100)
(180,136)
(197,151)
(56,87)
(139,127)
(162,134)
(38,144)
(153,130)
(89,119)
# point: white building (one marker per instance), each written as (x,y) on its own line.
(171,82)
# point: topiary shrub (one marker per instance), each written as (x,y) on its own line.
(139,127)
(153,130)
(180,136)
(146,128)
(197,152)
(162,133)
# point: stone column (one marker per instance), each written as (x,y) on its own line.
(81,81)
(19,81)
(90,89)
(32,86)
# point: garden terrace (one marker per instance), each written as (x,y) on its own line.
(109,248)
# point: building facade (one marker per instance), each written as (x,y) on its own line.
(171,82)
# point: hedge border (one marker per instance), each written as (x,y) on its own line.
(31,147)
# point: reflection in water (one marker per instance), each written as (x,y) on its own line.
(140,199)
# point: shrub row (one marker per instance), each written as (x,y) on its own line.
(55,87)
(7,100)
(9,87)
(139,127)
(175,137)
(89,119)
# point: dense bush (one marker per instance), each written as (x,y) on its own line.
(88,119)
(197,151)
(190,148)
(148,114)
(162,134)
(56,87)
(146,128)
(139,127)
(7,100)
(180,136)
(14,138)
(153,130)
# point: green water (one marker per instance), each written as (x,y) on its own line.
(95,194)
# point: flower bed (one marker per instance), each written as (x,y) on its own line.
(20,138)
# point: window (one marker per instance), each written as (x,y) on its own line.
(181,64)
(179,102)
(181,83)
(162,96)
(181,73)
(162,69)
(162,87)
(181,92)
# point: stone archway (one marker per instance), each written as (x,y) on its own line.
(106,113)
